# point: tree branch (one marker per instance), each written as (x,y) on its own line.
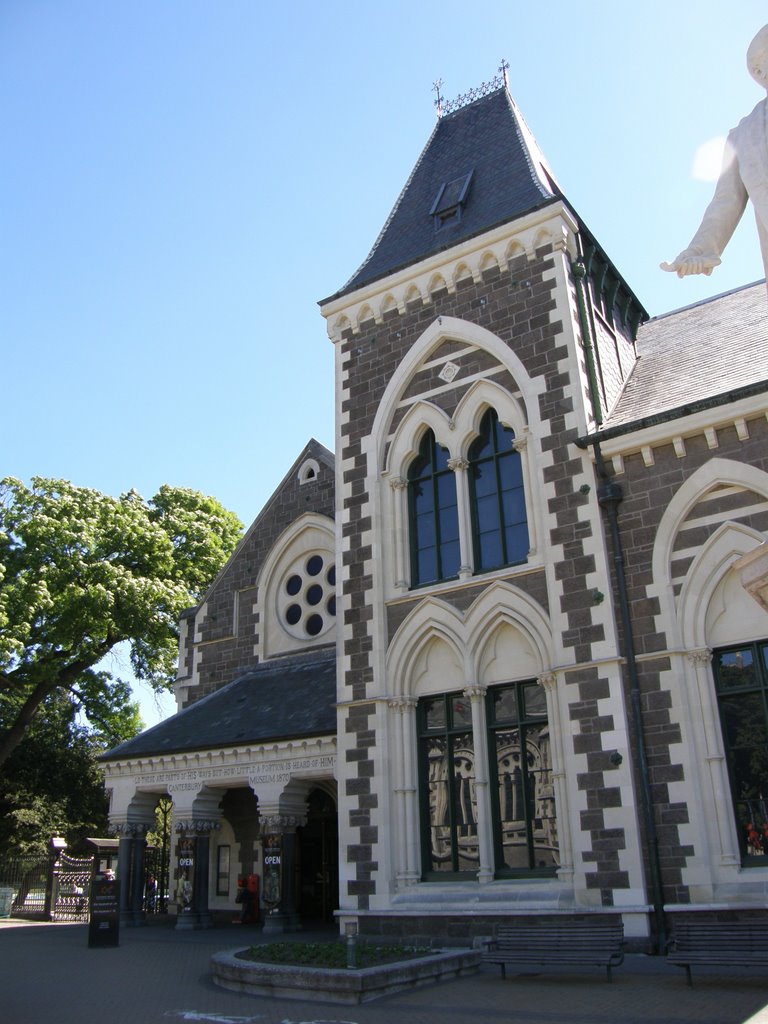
(83,703)
(52,680)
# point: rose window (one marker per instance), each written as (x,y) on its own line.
(307,597)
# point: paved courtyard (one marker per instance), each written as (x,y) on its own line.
(48,974)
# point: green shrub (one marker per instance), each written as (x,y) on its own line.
(331,954)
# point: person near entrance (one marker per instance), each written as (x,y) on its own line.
(247,896)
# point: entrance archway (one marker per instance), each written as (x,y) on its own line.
(318,859)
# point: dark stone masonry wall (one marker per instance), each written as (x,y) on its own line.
(448,930)
(518,306)
(227,647)
(585,689)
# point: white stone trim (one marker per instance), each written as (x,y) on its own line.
(309,470)
(706,422)
(552,223)
(310,533)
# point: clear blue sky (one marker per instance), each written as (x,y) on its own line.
(183,180)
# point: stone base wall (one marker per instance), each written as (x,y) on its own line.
(460,930)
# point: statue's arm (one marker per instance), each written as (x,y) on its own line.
(718,223)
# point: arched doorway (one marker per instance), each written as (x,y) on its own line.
(318,859)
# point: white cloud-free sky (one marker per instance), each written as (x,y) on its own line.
(183,180)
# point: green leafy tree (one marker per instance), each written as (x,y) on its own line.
(81,572)
(50,783)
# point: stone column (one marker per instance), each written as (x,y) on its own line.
(548,682)
(520,445)
(202,874)
(460,467)
(728,852)
(476,696)
(137,874)
(281,829)
(126,833)
(405,789)
(196,832)
(399,487)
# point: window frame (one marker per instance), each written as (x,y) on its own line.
(450,731)
(723,692)
(223,862)
(488,432)
(493,726)
(431,479)
(523,724)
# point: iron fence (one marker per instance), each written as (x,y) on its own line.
(29,878)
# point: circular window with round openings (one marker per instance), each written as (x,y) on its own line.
(306,601)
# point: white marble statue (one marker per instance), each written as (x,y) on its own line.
(744,176)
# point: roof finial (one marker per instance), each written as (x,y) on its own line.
(436,85)
(504,68)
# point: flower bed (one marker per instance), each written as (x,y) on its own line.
(232,970)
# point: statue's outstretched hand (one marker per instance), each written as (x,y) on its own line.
(691,262)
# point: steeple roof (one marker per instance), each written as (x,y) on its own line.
(480,168)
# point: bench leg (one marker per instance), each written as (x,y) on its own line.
(503,971)
(610,976)
(688,974)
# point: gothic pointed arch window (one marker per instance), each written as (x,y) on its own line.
(499,520)
(433,514)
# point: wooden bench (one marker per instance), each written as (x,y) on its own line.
(724,943)
(571,942)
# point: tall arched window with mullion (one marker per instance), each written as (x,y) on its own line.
(433,515)
(499,519)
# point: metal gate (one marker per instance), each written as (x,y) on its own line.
(156,872)
(28,877)
(71,888)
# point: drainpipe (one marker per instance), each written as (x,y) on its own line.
(609,497)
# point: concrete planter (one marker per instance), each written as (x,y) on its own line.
(288,981)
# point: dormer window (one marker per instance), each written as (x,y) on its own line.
(450,200)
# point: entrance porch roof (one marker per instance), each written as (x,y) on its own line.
(286,698)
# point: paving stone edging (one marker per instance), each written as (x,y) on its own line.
(288,981)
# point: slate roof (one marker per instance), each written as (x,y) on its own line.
(487,137)
(697,353)
(288,698)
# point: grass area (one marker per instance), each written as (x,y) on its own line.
(331,954)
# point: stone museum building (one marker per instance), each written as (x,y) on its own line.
(506,651)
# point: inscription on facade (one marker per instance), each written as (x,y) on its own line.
(268,773)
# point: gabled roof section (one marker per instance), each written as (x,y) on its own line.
(484,158)
(709,352)
(288,698)
(312,450)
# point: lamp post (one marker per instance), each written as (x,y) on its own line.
(350,929)
(58,845)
